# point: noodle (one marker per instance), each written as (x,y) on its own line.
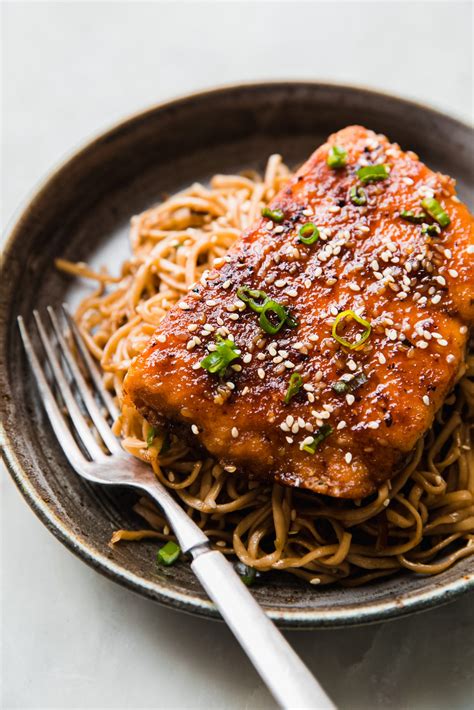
(422,520)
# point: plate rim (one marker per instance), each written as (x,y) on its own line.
(371,612)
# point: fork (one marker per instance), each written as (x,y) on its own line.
(288,679)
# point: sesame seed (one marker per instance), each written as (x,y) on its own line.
(211,302)
(289,364)
(426,400)
(284,426)
(194,429)
(453,273)
(443,342)
(315,580)
(261,373)
(318,271)
(470,249)
(190,344)
(161,338)
(230,469)
(293,293)
(310,397)
(245,390)
(382,358)
(448,253)
(289,420)
(289,439)
(342,424)
(306,441)
(279,283)
(261,356)
(348,457)
(436,299)
(226,284)
(373,425)
(313,337)
(334,209)
(230,385)
(351,365)
(234,432)
(421,344)
(184,306)
(350,399)
(247,358)
(307,283)
(463,329)
(279,229)
(196,366)
(450,358)
(307,212)
(192,327)
(295,428)
(391,334)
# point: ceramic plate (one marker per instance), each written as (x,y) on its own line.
(81,212)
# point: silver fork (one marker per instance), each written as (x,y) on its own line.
(285,675)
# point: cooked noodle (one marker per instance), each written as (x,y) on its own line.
(422,520)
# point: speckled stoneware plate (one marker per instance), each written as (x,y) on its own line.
(81,212)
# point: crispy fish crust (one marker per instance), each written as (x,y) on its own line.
(415,289)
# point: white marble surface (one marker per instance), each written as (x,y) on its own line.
(71,639)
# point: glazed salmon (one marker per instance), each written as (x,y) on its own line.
(328,377)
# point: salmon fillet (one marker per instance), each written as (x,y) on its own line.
(377,303)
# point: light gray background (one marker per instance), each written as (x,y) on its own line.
(71,639)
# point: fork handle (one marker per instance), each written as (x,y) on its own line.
(288,679)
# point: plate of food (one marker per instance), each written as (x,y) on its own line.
(276,281)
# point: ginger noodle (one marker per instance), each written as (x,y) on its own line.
(422,520)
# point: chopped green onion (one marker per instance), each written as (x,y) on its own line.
(168,554)
(340,387)
(281,316)
(357,343)
(150,436)
(308,233)
(372,173)
(275,215)
(412,217)
(358,196)
(343,386)
(435,210)
(247,574)
(434,230)
(337,157)
(218,360)
(247,295)
(296,383)
(322,433)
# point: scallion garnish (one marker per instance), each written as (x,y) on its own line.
(361,340)
(280,317)
(308,233)
(150,436)
(372,173)
(247,574)
(337,157)
(248,295)
(412,217)
(344,386)
(434,230)
(218,360)
(358,196)
(274,215)
(435,210)
(168,554)
(296,383)
(322,433)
